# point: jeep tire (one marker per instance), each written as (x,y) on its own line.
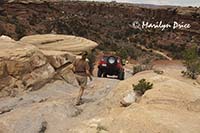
(105,75)
(121,75)
(99,73)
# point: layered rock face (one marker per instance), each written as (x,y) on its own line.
(19,63)
(29,64)
(60,43)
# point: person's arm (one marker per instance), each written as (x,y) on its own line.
(88,72)
(89,75)
(73,66)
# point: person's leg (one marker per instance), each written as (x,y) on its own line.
(91,70)
(82,83)
(80,94)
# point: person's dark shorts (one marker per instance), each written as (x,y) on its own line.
(82,80)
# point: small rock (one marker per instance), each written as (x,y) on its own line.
(158,71)
(128,99)
(5,110)
(43,127)
(107,86)
(21,98)
(3,37)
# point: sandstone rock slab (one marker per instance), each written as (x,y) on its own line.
(31,62)
(17,60)
(58,58)
(171,106)
(60,43)
(38,77)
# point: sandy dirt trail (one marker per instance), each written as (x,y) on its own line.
(155,51)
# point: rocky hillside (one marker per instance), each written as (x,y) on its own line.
(109,24)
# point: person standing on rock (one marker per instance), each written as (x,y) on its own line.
(91,59)
(81,69)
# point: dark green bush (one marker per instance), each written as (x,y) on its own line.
(142,87)
(192,62)
(122,52)
(137,69)
(140,68)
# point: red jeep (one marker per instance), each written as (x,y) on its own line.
(110,65)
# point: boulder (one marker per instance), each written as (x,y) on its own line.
(38,77)
(67,75)
(172,105)
(33,61)
(58,58)
(8,86)
(37,59)
(65,43)
(6,38)
(17,60)
(13,64)
(128,99)
(17,68)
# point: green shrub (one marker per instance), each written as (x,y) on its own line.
(140,68)
(122,53)
(142,87)
(20,30)
(192,62)
(137,69)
